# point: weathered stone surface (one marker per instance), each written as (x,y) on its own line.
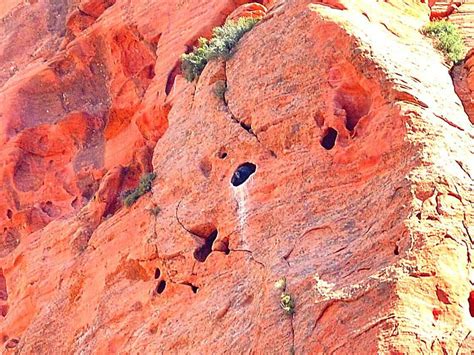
(362,197)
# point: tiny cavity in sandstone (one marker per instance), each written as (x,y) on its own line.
(396,250)
(247,127)
(329,139)
(222,154)
(222,246)
(194,288)
(157,273)
(242,173)
(161,287)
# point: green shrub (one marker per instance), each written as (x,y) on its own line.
(287,302)
(221,44)
(447,39)
(144,186)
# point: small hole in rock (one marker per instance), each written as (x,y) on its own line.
(222,246)
(329,139)
(242,173)
(396,251)
(247,127)
(161,287)
(226,247)
(222,154)
(470,300)
(157,273)
(201,253)
(194,288)
(9,214)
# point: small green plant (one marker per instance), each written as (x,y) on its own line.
(219,89)
(287,303)
(221,45)
(447,39)
(286,300)
(144,186)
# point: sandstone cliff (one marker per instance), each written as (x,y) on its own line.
(362,195)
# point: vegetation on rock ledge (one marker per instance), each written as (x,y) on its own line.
(287,302)
(144,186)
(223,41)
(447,39)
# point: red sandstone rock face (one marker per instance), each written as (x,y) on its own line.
(463,78)
(361,198)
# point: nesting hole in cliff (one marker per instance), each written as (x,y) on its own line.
(161,287)
(329,139)
(9,214)
(470,301)
(201,253)
(157,273)
(242,173)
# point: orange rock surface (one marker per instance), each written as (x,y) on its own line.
(362,194)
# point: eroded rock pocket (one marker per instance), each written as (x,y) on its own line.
(242,173)
(161,287)
(355,102)
(329,139)
(203,251)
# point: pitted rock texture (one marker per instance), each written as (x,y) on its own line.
(360,193)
